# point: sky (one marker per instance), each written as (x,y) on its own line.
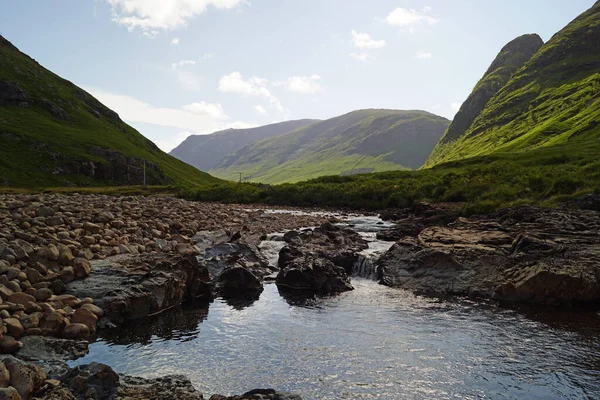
(172,68)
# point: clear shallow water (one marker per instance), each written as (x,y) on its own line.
(373,342)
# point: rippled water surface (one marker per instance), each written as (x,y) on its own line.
(373,342)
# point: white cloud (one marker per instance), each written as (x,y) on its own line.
(215,110)
(363,41)
(361,56)
(200,117)
(301,84)
(455,106)
(169,143)
(261,110)
(206,56)
(409,19)
(149,16)
(182,63)
(175,41)
(255,86)
(422,55)
(436,107)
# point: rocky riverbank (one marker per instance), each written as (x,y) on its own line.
(70,265)
(527,254)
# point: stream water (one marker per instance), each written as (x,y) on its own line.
(373,342)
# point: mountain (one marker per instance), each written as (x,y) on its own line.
(53,133)
(205,151)
(553,99)
(359,142)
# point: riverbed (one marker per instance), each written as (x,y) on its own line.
(373,342)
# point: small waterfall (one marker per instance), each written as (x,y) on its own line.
(364,267)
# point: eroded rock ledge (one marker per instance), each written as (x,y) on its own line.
(527,254)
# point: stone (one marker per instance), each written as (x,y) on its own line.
(66,256)
(20,298)
(163,388)
(27,379)
(76,331)
(94,309)
(237,281)
(4,376)
(9,393)
(67,274)
(42,294)
(55,221)
(93,381)
(53,322)
(46,348)
(85,317)
(90,227)
(81,267)
(14,326)
(46,212)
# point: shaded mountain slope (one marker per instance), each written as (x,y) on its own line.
(53,133)
(205,151)
(357,142)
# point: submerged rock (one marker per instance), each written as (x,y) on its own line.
(259,394)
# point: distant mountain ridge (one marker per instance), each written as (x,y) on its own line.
(360,141)
(205,151)
(53,133)
(553,99)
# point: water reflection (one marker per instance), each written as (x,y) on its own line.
(373,342)
(180,323)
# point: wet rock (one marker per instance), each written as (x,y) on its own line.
(85,317)
(76,331)
(165,388)
(259,394)
(136,287)
(238,281)
(94,381)
(45,348)
(314,274)
(27,379)
(221,256)
(522,255)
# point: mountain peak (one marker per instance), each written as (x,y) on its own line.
(510,59)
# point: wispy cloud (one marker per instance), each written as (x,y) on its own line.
(182,63)
(198,117)
(175,41)
(302,84)
(361,56)
(261,110)
(255,86)
(409,19)
(364,41)
(422,55)
(151,16)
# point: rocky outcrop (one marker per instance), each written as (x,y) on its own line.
(319,260)
(527,255)
(133,287)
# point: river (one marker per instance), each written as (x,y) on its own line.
(371,343)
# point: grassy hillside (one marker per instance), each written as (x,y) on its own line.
(361,141)
(205,151)
(554,99)
(56,134)
(547,176)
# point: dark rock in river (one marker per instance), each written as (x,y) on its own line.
(319,260)
(310,273)
(44,348)
(522,255)
(259,394)
(132,287)
(170,387)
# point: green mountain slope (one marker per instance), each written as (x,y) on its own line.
(553,99)
(361,141)
(55,134)
(205,151)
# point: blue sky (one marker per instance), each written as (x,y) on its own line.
(172,68)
